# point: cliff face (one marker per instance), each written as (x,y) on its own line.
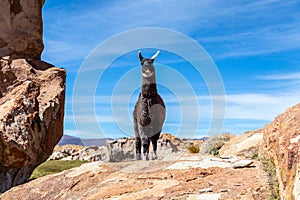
(281,144)
(32,93)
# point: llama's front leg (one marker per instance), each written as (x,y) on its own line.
(138,147)
(145,143)
(154,139)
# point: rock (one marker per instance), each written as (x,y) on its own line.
(281,144)
(31,118)
(76,152)
(57,155)
(118,150)
(230,159)
(242,164)
(92,153)
(205,190)
(32,94)
(121,149)
(124,149)
(145,180)
(224,190)
(168,142)
(21,28)
(62,152)
(245,145)
(214,143)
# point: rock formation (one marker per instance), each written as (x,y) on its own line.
(21,28)
(32,93)
(214,143)
(245,145)
(72,152)
(121,149)
(281,144)
(182,178)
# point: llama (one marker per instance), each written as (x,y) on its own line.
(149,112)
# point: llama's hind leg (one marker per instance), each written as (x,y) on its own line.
(138,147)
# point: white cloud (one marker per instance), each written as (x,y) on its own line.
(289,77)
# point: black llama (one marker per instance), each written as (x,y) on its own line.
(149,112)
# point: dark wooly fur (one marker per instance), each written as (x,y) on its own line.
(149,112)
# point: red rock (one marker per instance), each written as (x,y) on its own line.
(32,94)
(31,118)
(21,28)
(281,144)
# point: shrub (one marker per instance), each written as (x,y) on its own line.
(194,149)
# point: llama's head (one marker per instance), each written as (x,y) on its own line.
(148,69)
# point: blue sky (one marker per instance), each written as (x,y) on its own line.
(255,47)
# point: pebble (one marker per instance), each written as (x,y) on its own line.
(242,164)
(205,190)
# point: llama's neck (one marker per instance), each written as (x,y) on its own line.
(149,86)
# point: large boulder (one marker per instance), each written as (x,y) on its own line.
(245,145)
(121,149)
(32,94)
(170,143)
(21,28)
(281,144)
(31,118)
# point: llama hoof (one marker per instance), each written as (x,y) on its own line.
(138,156)
(154,156)
(146,156)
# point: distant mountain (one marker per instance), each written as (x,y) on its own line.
(67,139)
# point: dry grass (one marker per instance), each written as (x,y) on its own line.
(54,166)
(270,169)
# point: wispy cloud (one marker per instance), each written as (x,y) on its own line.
(248,27)
(288,77)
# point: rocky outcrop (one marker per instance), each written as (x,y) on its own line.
(281,144)
(31,118)
(148,180)
(245,145)
(32,93)
(124,149)
(73,152)
(172,143)
(214,143)
(21,28)
(121,150)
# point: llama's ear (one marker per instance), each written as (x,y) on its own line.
(155,55)
(140,56)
